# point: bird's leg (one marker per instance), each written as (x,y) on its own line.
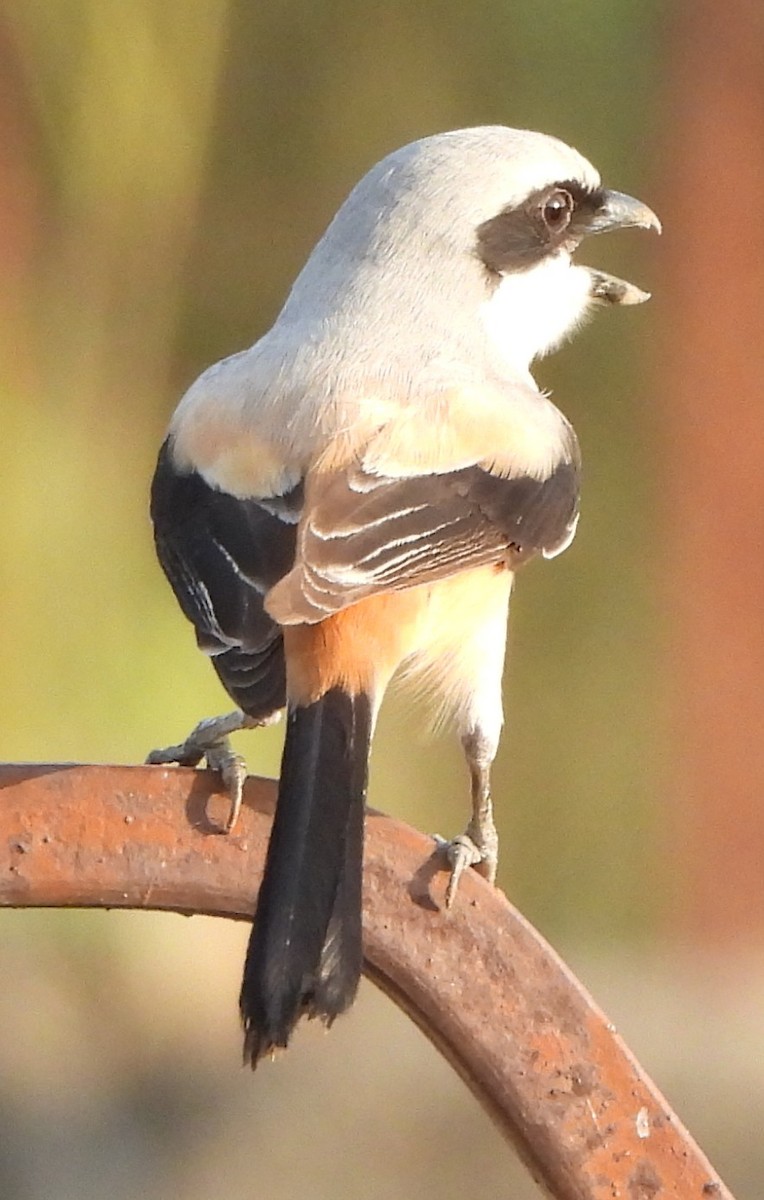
(473,673)
(478,846)
(209,740)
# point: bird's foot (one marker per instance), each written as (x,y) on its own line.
(477,847)
(209,740)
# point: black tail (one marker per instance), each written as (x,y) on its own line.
(304,955)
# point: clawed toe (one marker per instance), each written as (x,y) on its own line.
(468,850)
(209,740)
(232,769)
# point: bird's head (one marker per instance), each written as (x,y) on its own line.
(484,219)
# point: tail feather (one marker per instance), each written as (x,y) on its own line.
(304,955)
(339,968)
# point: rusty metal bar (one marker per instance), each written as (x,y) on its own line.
(477,979)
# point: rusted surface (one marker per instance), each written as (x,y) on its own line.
(480,982)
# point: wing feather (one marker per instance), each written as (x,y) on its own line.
(221,555)
(363,533)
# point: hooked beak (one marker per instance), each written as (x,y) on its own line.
(619,211)
(622,212)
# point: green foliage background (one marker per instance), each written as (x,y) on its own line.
(181,161)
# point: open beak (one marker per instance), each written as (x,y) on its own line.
(618,212)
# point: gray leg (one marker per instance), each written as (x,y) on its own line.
(209,740)
(479,719)
(478,846)
(463,670)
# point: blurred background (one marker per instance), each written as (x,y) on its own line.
(165,169)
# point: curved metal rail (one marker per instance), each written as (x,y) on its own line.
(477,979)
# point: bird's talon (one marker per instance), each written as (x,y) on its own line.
(185,755)
(233,772)
(460,852)
(209,741)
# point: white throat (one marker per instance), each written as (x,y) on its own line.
(531,312)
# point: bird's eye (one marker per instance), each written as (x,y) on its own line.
(557,210)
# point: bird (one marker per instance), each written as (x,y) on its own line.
(349,499)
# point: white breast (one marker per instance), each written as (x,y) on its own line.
(530,312)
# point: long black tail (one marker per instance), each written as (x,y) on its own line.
(304,955)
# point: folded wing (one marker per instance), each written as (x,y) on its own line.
(221,554)
(362,533)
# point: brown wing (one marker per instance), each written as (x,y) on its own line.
(363,533)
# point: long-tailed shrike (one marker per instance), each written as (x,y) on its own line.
(351,497)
